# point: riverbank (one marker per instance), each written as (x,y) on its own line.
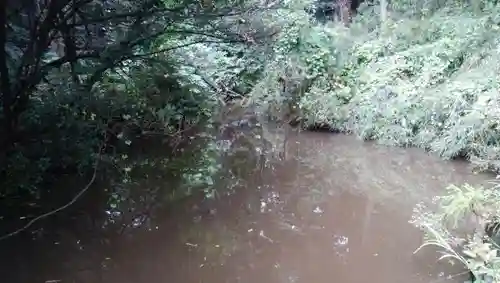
(428,81)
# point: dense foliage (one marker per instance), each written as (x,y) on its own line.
(83,80)
(86,82)
(424,78)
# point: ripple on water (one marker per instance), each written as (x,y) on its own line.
(336,211)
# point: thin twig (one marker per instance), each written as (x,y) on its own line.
(71,202)
(451,276)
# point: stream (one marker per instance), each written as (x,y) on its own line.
(330,209)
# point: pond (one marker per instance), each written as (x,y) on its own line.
(329,208)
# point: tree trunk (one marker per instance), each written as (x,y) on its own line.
(345,11)
(383,11)
(383,15)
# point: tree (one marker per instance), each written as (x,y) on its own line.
(63,67)
(90,37)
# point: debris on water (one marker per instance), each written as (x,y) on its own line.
(265,237)
(192,245)
(341,240)
(318,210)
(289,226)
(263,206)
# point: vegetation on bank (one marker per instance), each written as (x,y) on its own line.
(426,77)
(86,83)
(104,90)
(465,228)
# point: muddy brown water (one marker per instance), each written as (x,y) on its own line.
(334,210)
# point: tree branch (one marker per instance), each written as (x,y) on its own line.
(71,202)
(167,49)
(178,12)
(65,59)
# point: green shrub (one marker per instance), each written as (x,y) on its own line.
(465,228)
(428,80)
(64,129)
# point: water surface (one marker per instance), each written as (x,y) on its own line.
(333,209)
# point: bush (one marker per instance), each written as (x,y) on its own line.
(65,128)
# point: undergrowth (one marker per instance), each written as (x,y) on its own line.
(131,122)
(465,228)
(427,80)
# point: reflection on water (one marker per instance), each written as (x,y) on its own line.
(334,209)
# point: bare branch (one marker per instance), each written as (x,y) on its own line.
(70,203)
